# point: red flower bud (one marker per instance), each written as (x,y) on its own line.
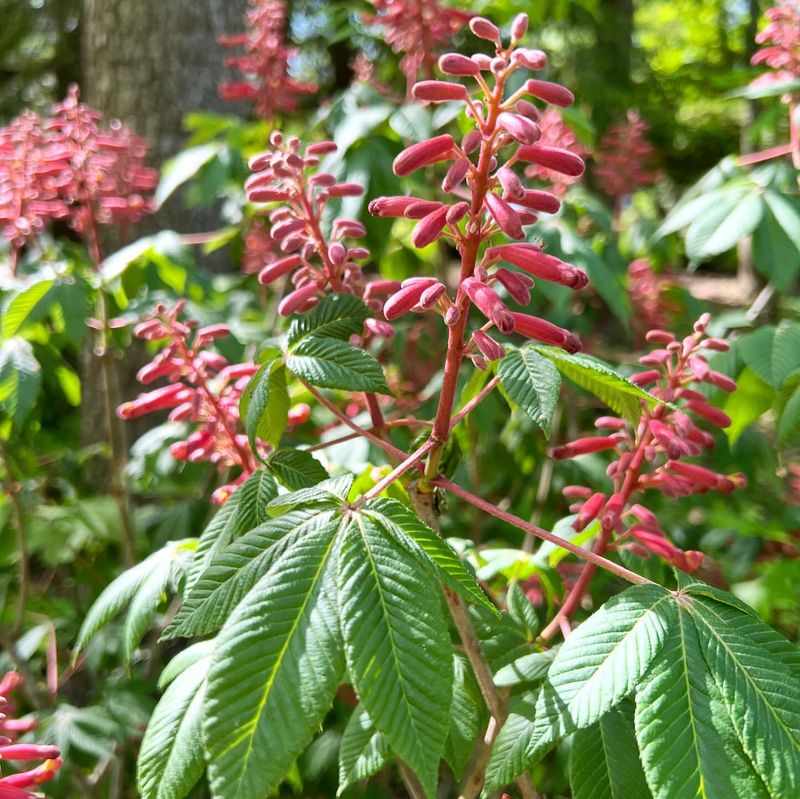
(489,304)
(299,300)
(491,349)
(519,127)
(403,301)
(423,153)
(457,64)
(506,217)
(710,413)
(276,269)
(456,174)
(546,332)
(519,27)
(430,227)
(550,92)
(539,201)
(539,264)
(554,158)
(589,511)
(484,29)
(29,752)
(515,284)
(438,91)
(582,446)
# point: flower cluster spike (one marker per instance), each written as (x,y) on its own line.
(202,389)
(556,133)
(316,261)
(488,197)
(782,51)
(71,165)
(622,157)
(265,63)
(16,786)
(653,455)
(650,296)
(418,29)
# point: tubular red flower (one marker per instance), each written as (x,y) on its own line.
(520,127)
(457,64)
(582,446)
(539,264)
(550,92)
(489,304)
(546,332)
(438,91)
(553,158)
(589,511)
(505,216)
(430,227)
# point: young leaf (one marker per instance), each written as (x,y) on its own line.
(363,750)
(521,610)
(264,406)
(275,670)
(599,379)
(296,468)
(530,668)
(237,568)
(144,605)
(687,743)
(171,757)
(533,383)
(329,363)
(338,316)
(426,546)
(28,305)
(604,763)
(331,493)
(397,646)
(183,167)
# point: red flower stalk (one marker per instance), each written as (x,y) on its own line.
(204,390)
(14,786)
(265,63)
(782,51)
(555,133)
(622,157)
(71,166)
(316,261)
(418,29)
(651,455)
(489,197)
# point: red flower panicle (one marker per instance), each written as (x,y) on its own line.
(782,51)
(556,133)
(17,785)
(650,296)
(622,157)
(202,389)
(71,166)
(652,456)
(487,194)
(418,29)
(265,63)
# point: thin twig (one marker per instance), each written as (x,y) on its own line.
(484,392)
(396,473)
(586,554)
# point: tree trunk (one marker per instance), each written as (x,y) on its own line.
(149,63)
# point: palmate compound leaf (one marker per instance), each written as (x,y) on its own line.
(171,757)
(397,646)
(600,663)
(604,762)
(531,381)
(142,586)
(598,378)
(688,745)
(277,664)
(237,568)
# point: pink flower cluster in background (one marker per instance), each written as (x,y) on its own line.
(654,454)
(419,29)
(649,293)
(622,157)
(16,786)
(265,63)
(487,195)
(782,39)
(71,166)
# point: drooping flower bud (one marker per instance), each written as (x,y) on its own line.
(554,158)
(423,153)
(550,92)
(438,91)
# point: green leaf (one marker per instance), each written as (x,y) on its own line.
(237,568)
(521,610)
(264,405)
(296,468)
(167,242)
(509,753)
(601,663)
(604,763)
(28,305)
(465,716)
(426,546)
(184,166)
(253,497)
(144,605)
(530,668)
(397,646)
(773,353)
(789,410)
(763,90)
(600,379)
(185,658)
(331,493)
(338,316)
(761,694)
(687,743)
(363,750)
(329,363)
(776,254)
(532,381)
(275,670)
(752,398)
(20,379)
(719,228)
(688,210)
(171,759)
